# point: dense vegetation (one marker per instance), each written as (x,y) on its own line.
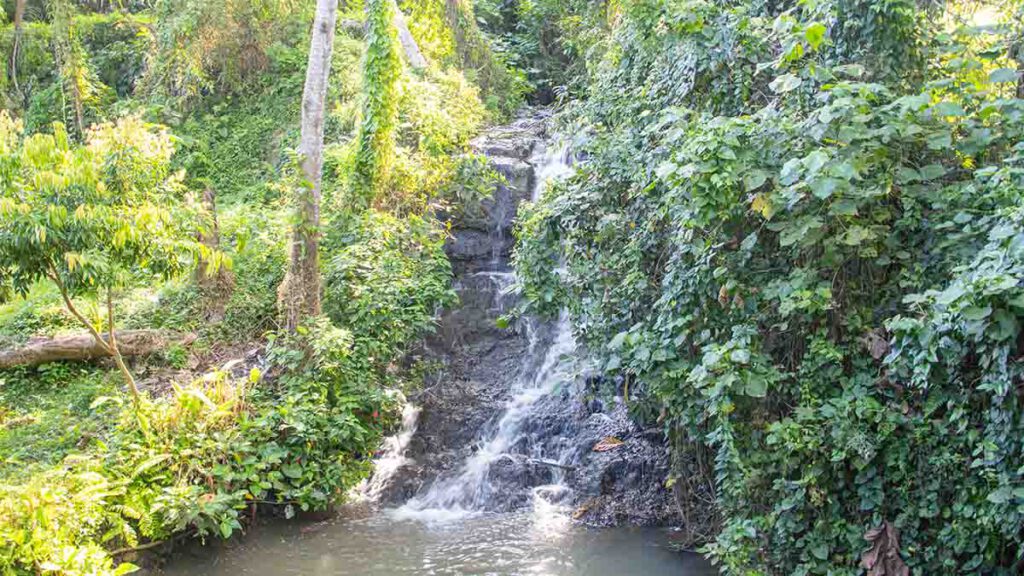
(797,239)
(147,179)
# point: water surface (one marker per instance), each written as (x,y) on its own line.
(486,544)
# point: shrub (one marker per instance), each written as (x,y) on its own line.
(209,453)
(810,269)
(385,283)
(92,219)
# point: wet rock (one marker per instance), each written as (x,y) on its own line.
(625,484)
(482,238)
(469,245)
(509,475)
(479,362)
(552,456)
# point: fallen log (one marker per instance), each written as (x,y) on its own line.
(82,347)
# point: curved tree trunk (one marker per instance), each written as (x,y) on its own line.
(300,291)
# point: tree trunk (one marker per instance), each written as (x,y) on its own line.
(76,96)
(1020,70)
(215,284)
(85,347)
(19,18)
(300,291)
(453,13)
(67,59)
(413,55)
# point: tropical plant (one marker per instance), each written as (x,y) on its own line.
(382,69)
(93,219)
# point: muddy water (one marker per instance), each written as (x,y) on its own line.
(506,544)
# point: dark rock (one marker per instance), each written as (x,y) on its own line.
(479,361)
(553,455)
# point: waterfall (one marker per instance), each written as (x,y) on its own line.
(468,490)
(554,162)
(391,457)
(470,487)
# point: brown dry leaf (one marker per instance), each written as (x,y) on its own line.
(608,443)
(883,558)
(582,510)
(723,296)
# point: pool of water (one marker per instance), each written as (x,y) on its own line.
(386,543)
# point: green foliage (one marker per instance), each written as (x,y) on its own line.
(385,282)
(41,312)
(205,45)
(813,266)
(257,251)
(475,180)
(548,39)
(438,115)
(492,67)
(213,450)
(114,46)
(91,217)
(82,473)
(47,413)
(382,67)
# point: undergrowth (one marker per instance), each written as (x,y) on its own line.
(81,478)
(797,238)
(82,481)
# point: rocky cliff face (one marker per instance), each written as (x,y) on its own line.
(479,366)
(475,357)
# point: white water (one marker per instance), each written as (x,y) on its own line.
(450,535)
(392,456)
(553,162)
(463,494)
(504,284)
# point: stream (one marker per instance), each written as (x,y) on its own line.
(506,465)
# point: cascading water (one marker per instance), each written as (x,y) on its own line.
(553,162)
(470,489)
(391,457)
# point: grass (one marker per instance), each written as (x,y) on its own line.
(47,413)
